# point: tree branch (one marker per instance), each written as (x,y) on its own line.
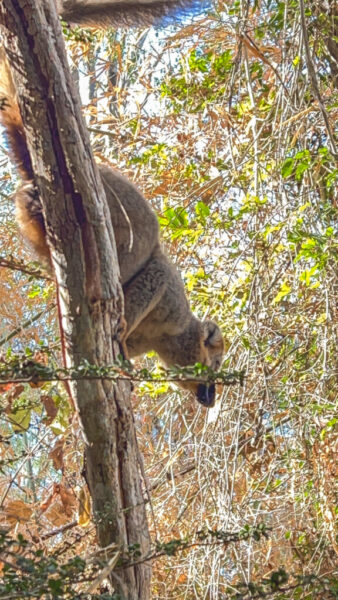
(82,245)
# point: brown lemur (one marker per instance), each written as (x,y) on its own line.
(157,312)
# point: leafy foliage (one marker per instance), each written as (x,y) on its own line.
(221,126)
(29,574)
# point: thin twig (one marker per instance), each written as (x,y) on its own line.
(26,324)
(313,79)
(18,266)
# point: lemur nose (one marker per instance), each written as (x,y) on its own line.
(206,394)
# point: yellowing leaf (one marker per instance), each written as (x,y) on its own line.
(284,291)
(20,420)
(84,507)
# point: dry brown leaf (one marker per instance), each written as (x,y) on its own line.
(13,394)
(256,51)
(17,511)
(52,495)
(56,454)
(68,499)
(59,505)
(56,514)
(50,408)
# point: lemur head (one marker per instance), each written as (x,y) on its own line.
(212,348)
(209,351)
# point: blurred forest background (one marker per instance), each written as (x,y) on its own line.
(227,126)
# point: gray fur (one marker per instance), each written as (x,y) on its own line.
(157,311)
(127,13)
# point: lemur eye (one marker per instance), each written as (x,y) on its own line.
(208,340)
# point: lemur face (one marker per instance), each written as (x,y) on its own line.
(214,348)
(210,354)
(206,394)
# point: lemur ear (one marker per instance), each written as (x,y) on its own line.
(213,336)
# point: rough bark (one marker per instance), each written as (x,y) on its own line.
(84,257)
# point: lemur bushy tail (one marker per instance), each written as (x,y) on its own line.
(127,13)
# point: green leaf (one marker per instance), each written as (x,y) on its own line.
(287,167)
(202,210)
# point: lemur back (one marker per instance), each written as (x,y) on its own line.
(134,248)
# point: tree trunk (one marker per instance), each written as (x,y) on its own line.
(90,299)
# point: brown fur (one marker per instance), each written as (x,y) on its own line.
(157,312)
(117,13)
(31,225)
